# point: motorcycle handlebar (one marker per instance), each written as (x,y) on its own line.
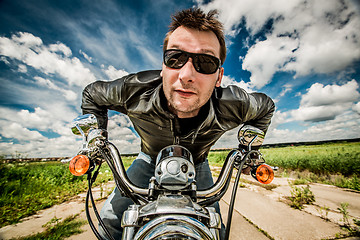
(122,173)
(212,191)
(225,173)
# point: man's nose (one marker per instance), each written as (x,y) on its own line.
(187,72)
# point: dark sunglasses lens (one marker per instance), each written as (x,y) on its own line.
(175,59)
(206,64)
(203,63)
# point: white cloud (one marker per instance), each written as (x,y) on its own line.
(39,119)
(344,126)
(332,34)
(266,58)
(326,112)
(54,118)
(63,146)
(356,107)
(22,68)
(68,94)
(15,130)
(52,59)
(319,95)
(306,36)
(279,118)
(228,140)
(285,89)
(27,39)
(319,113)
(113,73)
(23,130)
(120,133)
(276,135)
(60,48)
(227,80)
(86,56)
(4,59)
(255,12)
(322,103)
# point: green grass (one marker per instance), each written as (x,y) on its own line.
(26,188)
(217,158)
(333,163)
(336,158)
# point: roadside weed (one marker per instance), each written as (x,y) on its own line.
(324,212)
(353,230)
(300,196)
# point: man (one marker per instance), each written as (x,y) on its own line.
(181,104)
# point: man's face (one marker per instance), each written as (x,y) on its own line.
(187,90)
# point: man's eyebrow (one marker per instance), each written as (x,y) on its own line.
(207,51)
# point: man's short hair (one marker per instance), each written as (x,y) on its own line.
(195,18)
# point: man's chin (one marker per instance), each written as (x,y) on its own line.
(185,111)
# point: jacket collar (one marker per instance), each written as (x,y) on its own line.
(160,104)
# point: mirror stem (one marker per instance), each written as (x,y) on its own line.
(84,142)
(252,142)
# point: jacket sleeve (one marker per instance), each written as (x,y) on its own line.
(100,96)
(260,111)
(119,95)
(235,104)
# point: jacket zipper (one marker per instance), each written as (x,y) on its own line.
(172,129)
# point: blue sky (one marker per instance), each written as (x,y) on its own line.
(303,54)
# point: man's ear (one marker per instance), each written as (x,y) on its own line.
(221,74)
(162,70)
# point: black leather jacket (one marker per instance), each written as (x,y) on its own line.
(140,96)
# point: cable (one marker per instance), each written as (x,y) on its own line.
(93,228)
(91,180)
(99,218)
(233,195)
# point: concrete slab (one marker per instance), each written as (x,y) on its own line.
(279,220)
(241,229)
(260,206)
(33,224)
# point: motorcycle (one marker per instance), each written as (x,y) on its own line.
(171,207)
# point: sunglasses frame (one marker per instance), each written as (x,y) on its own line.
(194,57)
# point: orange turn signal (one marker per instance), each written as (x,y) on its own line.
(264,174)
(79,165)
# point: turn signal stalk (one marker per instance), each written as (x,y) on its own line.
(79,165)
(263,173)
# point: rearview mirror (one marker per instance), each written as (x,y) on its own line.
(250,136)
(83,124)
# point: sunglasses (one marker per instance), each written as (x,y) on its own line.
(203,63)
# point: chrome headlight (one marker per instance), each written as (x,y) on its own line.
(174,227)
(174,168)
